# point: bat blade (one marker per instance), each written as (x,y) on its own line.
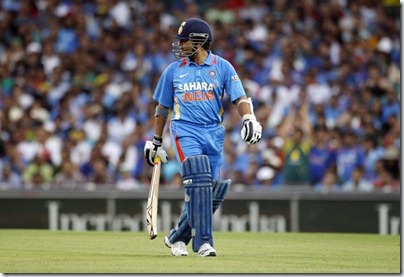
(152,200)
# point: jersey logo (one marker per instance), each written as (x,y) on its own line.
(235,78)
(198,96)
(193,86)
(212,73)
(183,75)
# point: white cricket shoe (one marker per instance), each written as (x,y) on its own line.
(206,250)
(177,248)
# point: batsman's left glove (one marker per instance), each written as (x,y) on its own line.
(251,131)
(155,148)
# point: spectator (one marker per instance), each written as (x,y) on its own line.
(13,160)
(67,39)
(373,153)
(10,178)
(357,182)
(79,147)
(296,151)
(50,60)
(126,181)
(376,82)
(350,155)
(39,172)
(386,183)
(49,143)
(250,177)
(97,169)
(219,12)
(121,125)
(391,106)
(273,157)
(265,176)
(392,138)
(100,175)
(296,147)
(329,182)
(322,155)
(114,153)
(92,122)
(69,176)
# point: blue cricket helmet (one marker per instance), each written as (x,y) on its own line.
(194,27)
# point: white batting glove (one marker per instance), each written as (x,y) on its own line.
(155,148)
(251,131)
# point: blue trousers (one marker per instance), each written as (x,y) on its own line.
(190,139)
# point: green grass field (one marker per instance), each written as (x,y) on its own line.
(42,251)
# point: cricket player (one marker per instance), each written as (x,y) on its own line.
(193,88)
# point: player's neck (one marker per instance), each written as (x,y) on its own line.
(200,56)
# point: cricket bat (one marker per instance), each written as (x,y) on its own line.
(152,201)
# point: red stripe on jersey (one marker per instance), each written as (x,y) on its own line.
(184,62)
(179,150)
(214,59)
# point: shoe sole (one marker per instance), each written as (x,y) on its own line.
(182,255)
(210,254)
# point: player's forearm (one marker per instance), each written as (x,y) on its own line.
(160,119)
(159,123)
(245,109)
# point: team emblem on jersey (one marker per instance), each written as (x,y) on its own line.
(181,27)
(235,78)
(212,73)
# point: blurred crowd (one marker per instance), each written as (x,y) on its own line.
(77,79)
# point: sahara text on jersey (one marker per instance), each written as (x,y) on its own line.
(196,86)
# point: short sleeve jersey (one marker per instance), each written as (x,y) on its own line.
(194,92)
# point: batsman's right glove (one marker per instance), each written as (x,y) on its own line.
(155,148)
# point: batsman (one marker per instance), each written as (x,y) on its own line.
(193,88)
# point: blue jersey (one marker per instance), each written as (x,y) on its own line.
(321,158)
(194,92)
(349,158)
